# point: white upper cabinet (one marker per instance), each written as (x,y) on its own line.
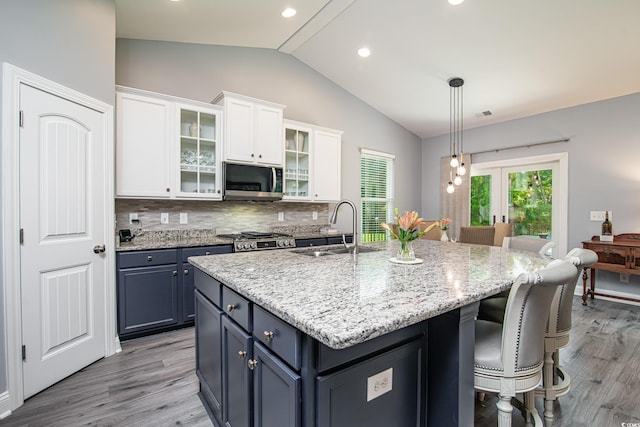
(312,162)
(326,164)
(253,129)
(199,171)
(143,145)
(166,147)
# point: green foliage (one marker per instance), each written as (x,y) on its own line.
(530,198)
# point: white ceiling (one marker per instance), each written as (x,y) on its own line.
(517,57)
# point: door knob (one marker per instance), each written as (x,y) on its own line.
(98,249)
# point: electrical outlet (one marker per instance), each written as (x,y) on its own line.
(379,384)
(599,216)
(184,218)
(133,217)
(624,278)
(164,218)
(314,216)
(280,216)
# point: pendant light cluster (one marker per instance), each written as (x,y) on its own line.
(456,152)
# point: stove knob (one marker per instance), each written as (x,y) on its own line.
(292,243)
(242,246)
(281,243)
(253,245)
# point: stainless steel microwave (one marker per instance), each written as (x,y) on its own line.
(250,182)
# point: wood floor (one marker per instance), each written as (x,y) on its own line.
(152,382)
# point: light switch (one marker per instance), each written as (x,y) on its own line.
(184,218)
(280,216)
(314,215)
(164,218)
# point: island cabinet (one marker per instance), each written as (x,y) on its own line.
(257,370)
(253,129)
(156,289)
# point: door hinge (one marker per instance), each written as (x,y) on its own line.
(24,352)
(22,236)
(21,118)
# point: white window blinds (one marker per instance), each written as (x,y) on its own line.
(376,192)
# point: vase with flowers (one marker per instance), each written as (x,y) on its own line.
(444,226)
(406,230)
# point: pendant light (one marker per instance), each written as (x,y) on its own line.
(456,152)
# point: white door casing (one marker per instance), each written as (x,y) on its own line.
(57,259)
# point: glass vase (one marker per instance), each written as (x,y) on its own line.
(444,237)
(405,253)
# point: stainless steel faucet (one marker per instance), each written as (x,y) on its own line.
(353,248)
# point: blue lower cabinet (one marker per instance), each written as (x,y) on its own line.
(147,298)
(237,380)
(379,392)
(276,391)
(188,292)
(209,352)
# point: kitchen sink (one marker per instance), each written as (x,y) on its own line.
(320,252)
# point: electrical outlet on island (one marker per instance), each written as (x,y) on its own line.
(164,218)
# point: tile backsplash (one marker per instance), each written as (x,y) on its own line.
(224,217)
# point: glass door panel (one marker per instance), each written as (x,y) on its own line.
(296,173)
(530,202)
(198,154)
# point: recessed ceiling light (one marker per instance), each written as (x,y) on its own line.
(455,2)
(364,52)
(288,12)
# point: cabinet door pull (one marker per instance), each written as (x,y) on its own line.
(168,190)
(268,335)
(252,364)
(207,253)
(230,307)
(149,258)
(175,273)
(242,354)
(186,272)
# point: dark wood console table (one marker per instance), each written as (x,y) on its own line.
(620,256)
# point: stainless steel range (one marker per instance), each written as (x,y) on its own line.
(257,241)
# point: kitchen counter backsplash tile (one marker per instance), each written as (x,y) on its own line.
(225,217)
(342,301)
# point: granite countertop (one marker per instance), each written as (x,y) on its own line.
(171,239)
(342,301)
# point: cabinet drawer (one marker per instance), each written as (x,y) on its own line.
(237,308)
(282,338)
(209,286)
(311,242)
(145,258)
(206,250)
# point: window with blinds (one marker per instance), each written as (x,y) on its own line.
(376,192)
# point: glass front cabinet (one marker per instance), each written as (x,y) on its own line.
(200,156)
(297,163)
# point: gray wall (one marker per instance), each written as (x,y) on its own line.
(200,72)
(603,173)
(71,42)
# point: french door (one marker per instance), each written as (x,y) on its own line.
(529,193)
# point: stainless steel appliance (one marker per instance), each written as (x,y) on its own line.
(256,241)
(250,182)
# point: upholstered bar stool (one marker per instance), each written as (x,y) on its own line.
(555,380)
(530,244)
(509,355)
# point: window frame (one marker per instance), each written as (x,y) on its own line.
(388,198)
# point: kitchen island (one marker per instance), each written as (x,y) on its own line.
(288,339)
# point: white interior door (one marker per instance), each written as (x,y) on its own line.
(62,211)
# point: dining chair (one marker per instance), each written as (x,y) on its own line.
(479,235)
(509,355)
(503,229)
(531,244)
(434,234)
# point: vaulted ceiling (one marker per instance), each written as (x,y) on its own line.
(517,57)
